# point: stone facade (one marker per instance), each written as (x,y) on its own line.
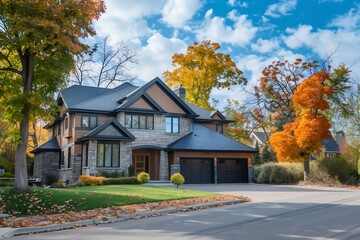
(46,165)
(158,138)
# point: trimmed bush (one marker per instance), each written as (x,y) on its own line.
(177,179)
(120,181)
(278,173)
(7,175)
(90,180)
(115,174)
(143,177)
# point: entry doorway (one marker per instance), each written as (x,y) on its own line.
(141,163)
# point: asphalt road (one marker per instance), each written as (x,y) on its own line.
(277,212)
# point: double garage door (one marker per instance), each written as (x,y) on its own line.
(201,170)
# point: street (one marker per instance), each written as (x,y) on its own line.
(277,212)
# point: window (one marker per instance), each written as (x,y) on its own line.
(59,129)
(219,128)
(69,157)
(54,132)
(172,125)
(137,121)
(108,155)
(61,160)
(86,154)
(88,121)
(66,120)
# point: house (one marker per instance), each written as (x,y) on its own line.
(150,128)
(331,147)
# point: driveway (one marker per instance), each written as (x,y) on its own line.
(277,212)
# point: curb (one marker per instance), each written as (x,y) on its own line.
(11,232)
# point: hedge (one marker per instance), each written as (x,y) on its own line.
(278,173)
(119,181)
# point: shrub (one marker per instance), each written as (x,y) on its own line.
(106,174)
(337,167)
(50,179)
(131,171)
(60,183)
(119,181)
(7,175)
(90,180)
(177,179)
(143,177)
(278,173)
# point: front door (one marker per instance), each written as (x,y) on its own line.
(141,163)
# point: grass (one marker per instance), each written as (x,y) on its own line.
(47,201)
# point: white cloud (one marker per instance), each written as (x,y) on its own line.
(155,56)
(265,46)
(350,20)
(343,44)
(235,3)
(215,29)
(282,8)
(176,13)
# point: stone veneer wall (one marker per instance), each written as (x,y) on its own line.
(158,137)
(46,164)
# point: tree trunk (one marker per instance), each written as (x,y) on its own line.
(21,178)
(306,169)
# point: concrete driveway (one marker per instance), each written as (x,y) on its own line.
(277,212)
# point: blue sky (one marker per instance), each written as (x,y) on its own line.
(253,32)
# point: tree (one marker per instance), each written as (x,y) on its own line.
(304,136)
(103,65)
(256,160)
(265,154)
(200,70)
(37,41)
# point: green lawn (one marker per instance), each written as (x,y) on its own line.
(41,200)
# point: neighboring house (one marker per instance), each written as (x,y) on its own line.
(151,128)
(331,147)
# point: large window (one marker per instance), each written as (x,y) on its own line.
(59,129)
(172,125)
(139,121)
(69,158)
(66,120)
(108,155)
(88,121)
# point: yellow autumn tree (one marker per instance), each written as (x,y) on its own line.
(304,136)
(200,70)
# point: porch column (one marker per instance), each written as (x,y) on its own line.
(164,166)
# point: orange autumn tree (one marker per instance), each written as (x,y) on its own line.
(304,136)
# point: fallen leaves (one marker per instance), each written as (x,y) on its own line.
(102,213)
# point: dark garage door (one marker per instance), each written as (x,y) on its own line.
(232,171)
(197,170)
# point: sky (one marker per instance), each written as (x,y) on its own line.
(253,32)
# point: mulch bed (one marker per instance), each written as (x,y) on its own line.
(99,213)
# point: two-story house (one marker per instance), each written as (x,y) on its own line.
(151,128)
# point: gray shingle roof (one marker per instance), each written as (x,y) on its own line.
(77,94)
(205,114)
(261,136)
(51,145)
(106,101)
(205,139)
(330,145)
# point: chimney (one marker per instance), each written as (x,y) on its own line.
(181,92)
(340,139)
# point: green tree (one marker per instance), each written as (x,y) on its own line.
(256,160)
(265,154)
(200,70)
(37,41)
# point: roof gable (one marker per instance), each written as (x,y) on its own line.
(109,130)
(165,92)
(139,100)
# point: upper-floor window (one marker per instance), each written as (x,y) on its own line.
(139,121)
(108,155)
(59,129)
(66,122)
(88,121)
(172,125)
(219,128)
